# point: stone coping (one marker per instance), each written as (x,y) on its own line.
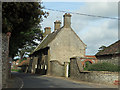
(104,72)
(57,62)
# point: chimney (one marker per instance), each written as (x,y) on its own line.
(57,25)
(67,20)
(47,31)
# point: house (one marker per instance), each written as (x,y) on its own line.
(52,55)
(24,65)
(88,58)
(15,64)
(110,54)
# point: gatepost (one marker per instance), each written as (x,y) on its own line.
(66,64)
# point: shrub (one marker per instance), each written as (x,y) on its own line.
(104,67)
(15,70)
(87,64)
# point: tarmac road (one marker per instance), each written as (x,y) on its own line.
(44,81)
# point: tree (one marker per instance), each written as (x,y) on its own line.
(22,19)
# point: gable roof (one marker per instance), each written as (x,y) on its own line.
(78,37)
(44,43)
(112,49)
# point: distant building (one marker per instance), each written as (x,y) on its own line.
(56,49)
(24,65)
(110,54)
(88,58)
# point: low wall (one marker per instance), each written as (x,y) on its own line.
(56,68)
(91,76)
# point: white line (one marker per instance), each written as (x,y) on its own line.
(22,83)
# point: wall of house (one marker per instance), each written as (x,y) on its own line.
(109,58)
(66,45)
(42,64)
(30,65)
(102,77)
(34,64)
(56,68)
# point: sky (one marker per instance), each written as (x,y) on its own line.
(93,31)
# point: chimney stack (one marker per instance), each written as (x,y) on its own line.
(67,20)
(47,31)
(57,25)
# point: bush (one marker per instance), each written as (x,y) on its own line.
(16,70)
(104,67)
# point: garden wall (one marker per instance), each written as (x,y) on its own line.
(91,76)
(5,59)
(56,68)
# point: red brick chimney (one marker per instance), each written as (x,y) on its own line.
(57,25)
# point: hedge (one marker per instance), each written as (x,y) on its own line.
(104,67)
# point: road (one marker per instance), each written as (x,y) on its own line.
(37,81)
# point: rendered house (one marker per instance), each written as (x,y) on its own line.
(53,54)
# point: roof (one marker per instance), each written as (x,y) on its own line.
(112,49)
(24,62)
(17,61)
(89,56)
(44,43)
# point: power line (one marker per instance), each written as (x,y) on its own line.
(82,14)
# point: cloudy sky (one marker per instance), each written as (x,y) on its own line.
(93,31)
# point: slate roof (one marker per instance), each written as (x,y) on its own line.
(44,43)
(112,49)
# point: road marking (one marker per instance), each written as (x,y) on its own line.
(22,83)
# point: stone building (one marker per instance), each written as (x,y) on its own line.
(56,49)
(110,54)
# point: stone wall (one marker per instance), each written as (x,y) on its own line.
(56,68)
(0,45)
(103,77)
(5,59)
(0,61)
(109,58)
(34,64)
(30,65)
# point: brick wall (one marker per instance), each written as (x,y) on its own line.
(103,77)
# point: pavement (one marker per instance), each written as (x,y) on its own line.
(16,82)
